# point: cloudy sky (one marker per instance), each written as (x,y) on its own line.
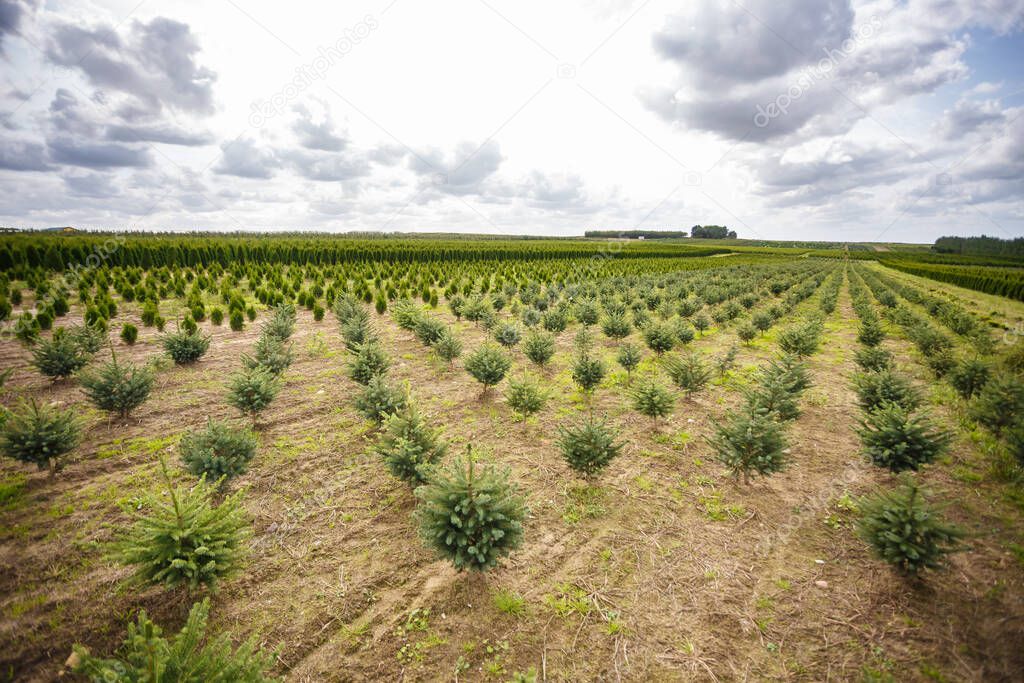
(784,119)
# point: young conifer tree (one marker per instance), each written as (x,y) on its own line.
(190,655)
(184,539)
(218,450)
(588,446)
(409,447)
(906,531)
(629,358)
(488,365)
(524,396)
(40,435)
(118,387)
(539,347)
(252,390)
(448,347)
(379,399)
(60,356)
(471,513)
(652,399)
(750,441)
(895,438)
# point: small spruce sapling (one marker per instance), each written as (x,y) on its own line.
(488,365)
(587,313)
(873,358)
(629,358)
(802,339)
(554,320)
(870,333)
(40,435)
(59,357)
(906,531)
(884,386)
(271,352)
(448,347)
(379,399)
(583,342)
(524,396)
(507,334)
(252,390)
(587,372)
(89,338)
(471,514)
(969,377)
(218,450)
(588,446)
(684,331)
(409,447)
(659,337)
(184,539)
(539,347)
(895,438)
(429,330)
(725,362)
(190,655)
(750,441)
(688,372)
(652,399)
(118,387)
(184,346)
(616,326)
(370,360)
(762,321)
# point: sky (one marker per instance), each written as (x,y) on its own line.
(784,119)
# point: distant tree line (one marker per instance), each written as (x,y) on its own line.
(716,232)
(634,234)
(981,246)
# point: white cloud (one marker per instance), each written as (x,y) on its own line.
(645,113)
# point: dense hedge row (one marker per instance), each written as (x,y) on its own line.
(57,252)
(1008,282)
